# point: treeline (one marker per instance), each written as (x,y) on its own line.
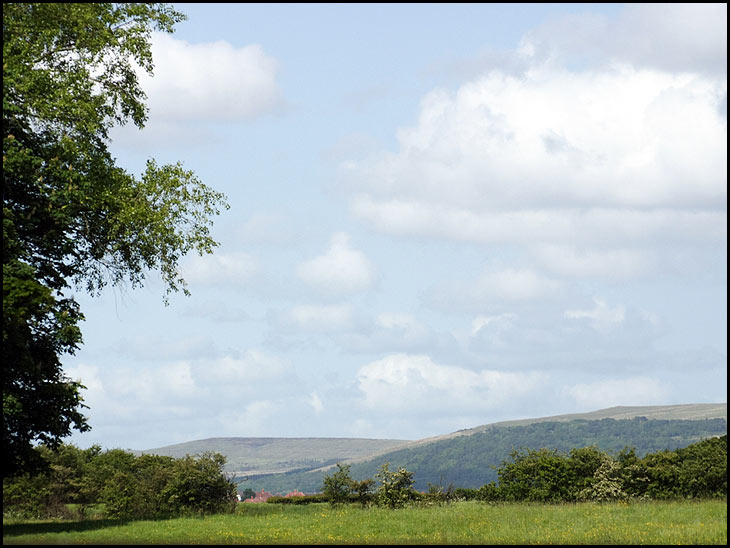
(551,476)
(73,483)
(118,484)
(472,460)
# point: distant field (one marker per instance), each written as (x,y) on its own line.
(685,522)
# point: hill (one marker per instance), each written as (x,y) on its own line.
(255,456)
(691,411)
(465,458)
(468,458)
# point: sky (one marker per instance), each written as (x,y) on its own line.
(441,216)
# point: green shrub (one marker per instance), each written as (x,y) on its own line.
(541,475)
(396,488)
(489,492)
(338,486)
(297,500)
(198,485)
(607,485)
(703,469)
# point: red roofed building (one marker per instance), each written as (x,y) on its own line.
(261,496)
(295,493)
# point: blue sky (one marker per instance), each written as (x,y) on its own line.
(441,216)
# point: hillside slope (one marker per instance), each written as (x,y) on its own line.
(471,461)
(282,464)
(469,458)
(252,456)
(690,411)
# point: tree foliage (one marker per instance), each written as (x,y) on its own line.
(396,488)
(696,471)
(338,485)
(472,461)
(129,487)
(72,218)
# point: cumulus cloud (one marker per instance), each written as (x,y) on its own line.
(397,332)
(318,318)
(556,140)
(673,37)
(405,384)
(340,270)
(602,317)
(316,403)
(228,269)
(243,369)
(606,169)
(576,262)
(229,394)
(608,173)
(126,394)
(496,287)
(186,85)
(563,227)
(495,325)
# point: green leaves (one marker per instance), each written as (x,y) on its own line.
(71,216)
(396,488)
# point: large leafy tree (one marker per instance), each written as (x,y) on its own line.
(71,217)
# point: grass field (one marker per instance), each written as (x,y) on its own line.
(691,522)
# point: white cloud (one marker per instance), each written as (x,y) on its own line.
(498,323)
(254,419)
(340,270)
(619,157)
(316,403)
(668,36)
(495,287)
(319,318)
(567,139)
(123,395)
(602,317)
(572,261)
(229,269)
(209,81)
(556,226)
(253,366)
(396,321)
(406,384)
(514,285)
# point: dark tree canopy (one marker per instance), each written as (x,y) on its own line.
(72,218)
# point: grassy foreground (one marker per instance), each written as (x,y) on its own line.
(686,522)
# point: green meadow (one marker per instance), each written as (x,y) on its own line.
(675,522)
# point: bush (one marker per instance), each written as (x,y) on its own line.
(607,485)
(542,475)
(489,493)
(141,491)
(27,496)
(703,468)
(339,485)
(198,485)
(157,486)
(396,488)
(306,499)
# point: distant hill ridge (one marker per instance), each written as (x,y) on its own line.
(254,456)
(470,458)
(264,456)
(689,411)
